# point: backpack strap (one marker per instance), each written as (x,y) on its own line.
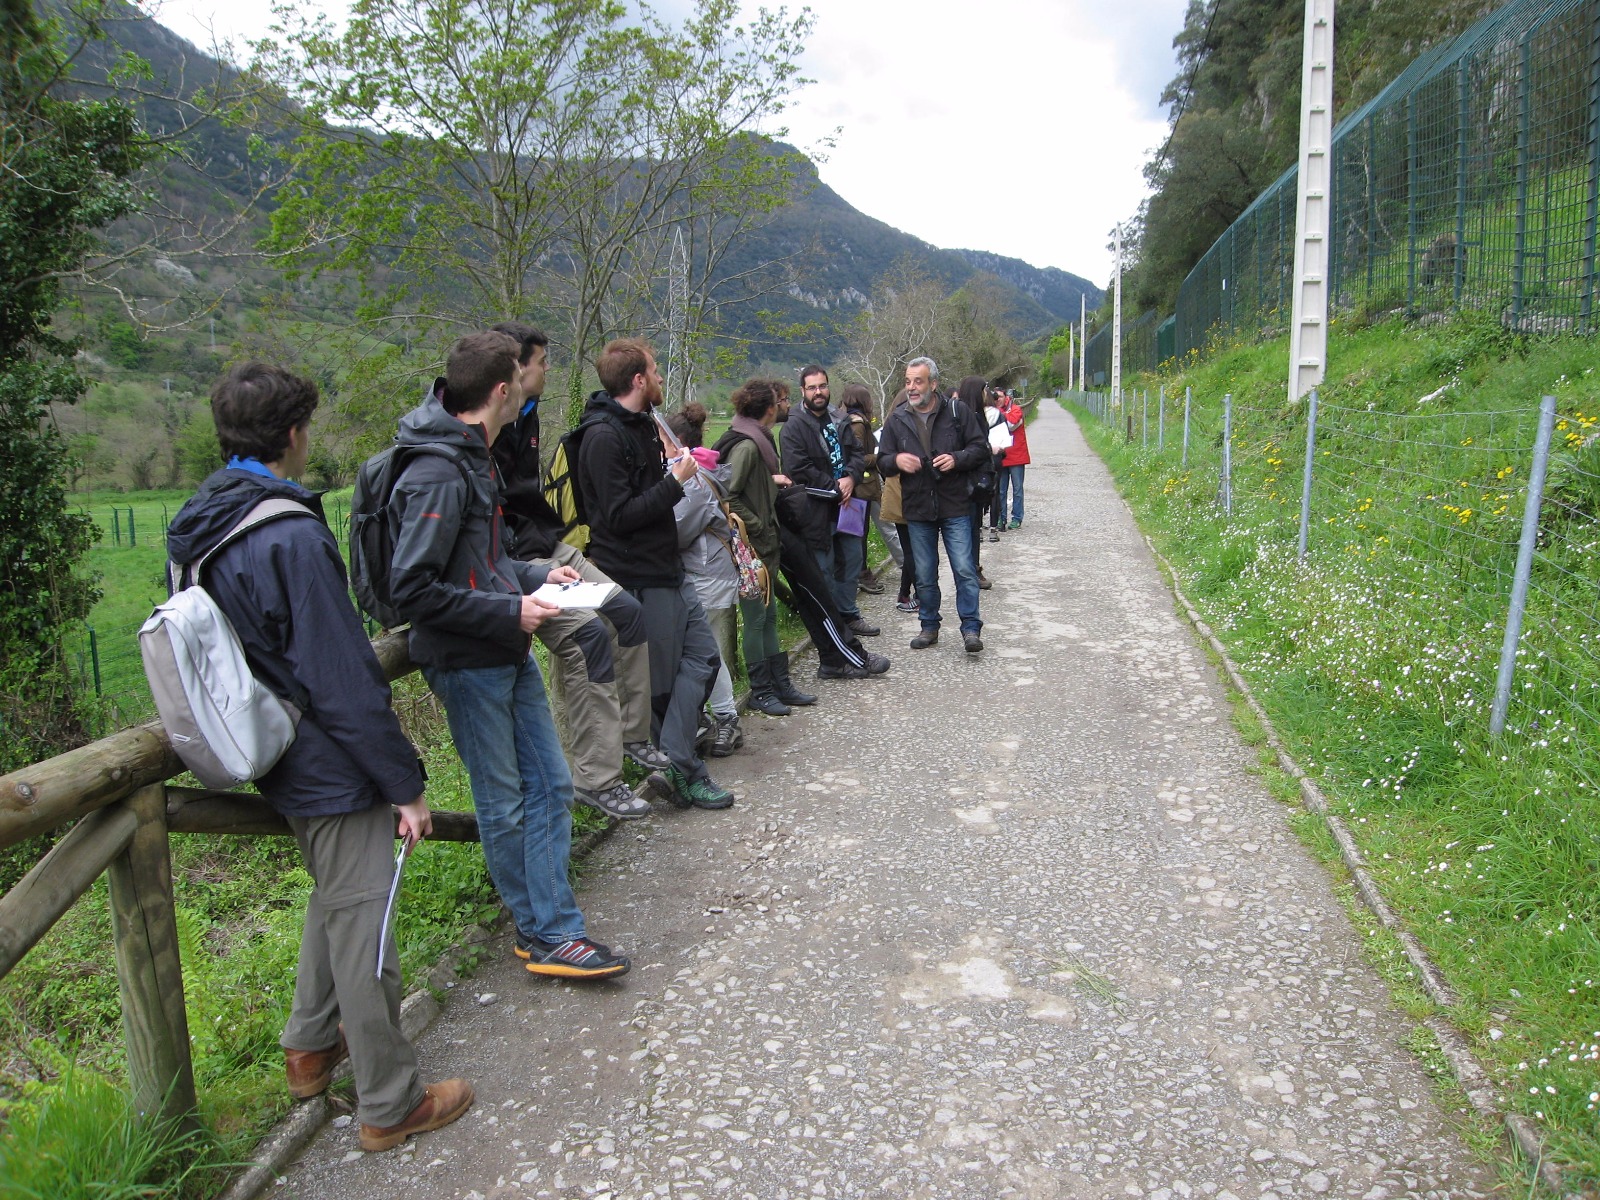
(186,574)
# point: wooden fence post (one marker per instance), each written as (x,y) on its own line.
(149,973)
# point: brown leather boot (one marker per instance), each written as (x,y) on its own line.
(441,1104)
(309,1071)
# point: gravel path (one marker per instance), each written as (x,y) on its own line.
(1018,924)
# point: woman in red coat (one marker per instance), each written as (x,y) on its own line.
(1012,465)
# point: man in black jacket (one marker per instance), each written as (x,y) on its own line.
(472,613)
(282,586)
(825,459)
(628,494)
(600,669)
(935,444)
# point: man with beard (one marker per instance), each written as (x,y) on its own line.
(826,460)
(629,490)
(934,445)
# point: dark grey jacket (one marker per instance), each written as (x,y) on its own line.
(453,576)
(926,495)
(284,590)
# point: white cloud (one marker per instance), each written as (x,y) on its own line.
(1016,126)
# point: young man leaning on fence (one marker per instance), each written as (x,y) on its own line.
(283,587)
(473,613)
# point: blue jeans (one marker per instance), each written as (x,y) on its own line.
(957,534)
(521,788)
(1010,479)
(825,563)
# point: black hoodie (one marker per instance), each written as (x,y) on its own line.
(284,589)
(628,497)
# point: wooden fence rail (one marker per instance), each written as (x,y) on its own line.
(117,792)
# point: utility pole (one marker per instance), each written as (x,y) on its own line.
(1308,328)
(1116,327)
(1083,340)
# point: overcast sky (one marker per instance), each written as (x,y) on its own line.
(1049,107)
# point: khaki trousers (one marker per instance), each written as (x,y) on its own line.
(599,689)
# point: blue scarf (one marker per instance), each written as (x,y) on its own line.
(252,464)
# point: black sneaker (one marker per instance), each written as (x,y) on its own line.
(665,786)
(705,733)
(843,671)
(729,737)
(907,605)
(576,958)
(651,758)
(972,642)
(877,664)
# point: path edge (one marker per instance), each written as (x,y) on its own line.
(293,1133)
(1520,1133)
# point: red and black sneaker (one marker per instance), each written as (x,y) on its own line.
(576,958)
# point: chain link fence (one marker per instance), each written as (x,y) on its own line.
(1472,181)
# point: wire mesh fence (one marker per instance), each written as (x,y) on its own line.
(1412,527)
(1472,181)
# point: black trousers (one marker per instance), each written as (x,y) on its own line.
(811,597)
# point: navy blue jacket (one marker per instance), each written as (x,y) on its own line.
(283,586)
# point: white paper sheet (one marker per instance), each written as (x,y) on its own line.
(576,595)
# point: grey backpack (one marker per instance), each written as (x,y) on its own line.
(225,725)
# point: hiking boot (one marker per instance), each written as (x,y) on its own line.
(705,733)
(869,585)
(842,671)
(859,627)
(441,1104)
(877,664)
(983,581)
(972,642)
(907,605)
(663,785)
(309,1072)
(575,958)
(651,758)
(783,687)
(705,793)
(618,801)
(729,737)
(928,637)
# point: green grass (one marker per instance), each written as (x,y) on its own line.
(1376,658)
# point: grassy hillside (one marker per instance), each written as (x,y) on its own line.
(1377,656)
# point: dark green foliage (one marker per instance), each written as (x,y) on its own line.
(63,175)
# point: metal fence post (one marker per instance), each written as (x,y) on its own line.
(1144,419)
(1305,488)
(1188,392)
(1519,250)
(1463,117)
(1227,454)
(1411,204)
(1161,417)
(1519,581)
(1591,206)
(116,525)
(94,658)
(132,537)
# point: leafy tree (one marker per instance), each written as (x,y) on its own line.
(470,160)
(64,174)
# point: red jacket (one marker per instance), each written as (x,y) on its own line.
(1017,456)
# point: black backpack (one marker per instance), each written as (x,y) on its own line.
(372,526)
(561,490)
